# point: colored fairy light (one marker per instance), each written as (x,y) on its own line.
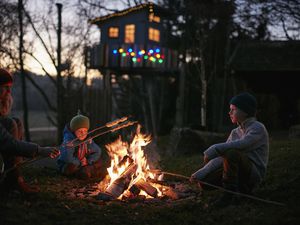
(142,52)
(152,55)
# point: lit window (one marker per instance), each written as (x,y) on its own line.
(154,34)
(129,33)
(113,32)
(153,18)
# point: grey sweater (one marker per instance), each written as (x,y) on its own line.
(250,137)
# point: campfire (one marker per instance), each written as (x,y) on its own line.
(130,174)
(133,176)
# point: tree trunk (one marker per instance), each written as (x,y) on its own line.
(203,92)
(163,86)
(180,99)
(59,83)
(24,93)
(149,85)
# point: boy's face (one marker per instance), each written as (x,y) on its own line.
(236,115)
(81,133)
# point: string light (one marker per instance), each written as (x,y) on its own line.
(138,56)
(122,13)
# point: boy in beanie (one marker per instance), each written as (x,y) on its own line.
(240,163)
(12,148)
(82,161)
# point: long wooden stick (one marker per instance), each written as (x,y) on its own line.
(226,190)
(107,125)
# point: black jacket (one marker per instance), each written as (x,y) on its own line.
(9,145)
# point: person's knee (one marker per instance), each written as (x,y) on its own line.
(97,164)
(69,169)
(85,172)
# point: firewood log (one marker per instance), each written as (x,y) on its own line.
(148,188)
(121,183)
(134,190)
(117,187)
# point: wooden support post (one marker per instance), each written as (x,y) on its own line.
(107,94)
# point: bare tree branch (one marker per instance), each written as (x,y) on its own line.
(42,66)
(51,107)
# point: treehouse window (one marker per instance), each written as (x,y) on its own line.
(153,18)
(113,32)
(154,34)
(129,33)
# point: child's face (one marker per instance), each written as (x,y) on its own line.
(236,115)
(81,133)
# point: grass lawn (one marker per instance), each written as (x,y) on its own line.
(51,206)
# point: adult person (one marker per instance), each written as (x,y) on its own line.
(12,148)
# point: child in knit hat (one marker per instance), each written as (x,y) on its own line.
(84,160)
(240,163)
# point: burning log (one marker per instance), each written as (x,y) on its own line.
(117,187)
(134,190)
(121,183)
(148,188)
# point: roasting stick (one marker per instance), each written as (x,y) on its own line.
(68,145)
(127,124)
(226,190)
(107,125)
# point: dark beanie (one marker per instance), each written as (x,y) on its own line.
(245,102)
(5,77)
(79,121)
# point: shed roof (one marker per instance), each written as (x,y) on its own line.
(150,6)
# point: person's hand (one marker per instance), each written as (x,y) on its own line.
(48,152)
(205,159)
(84,162)
(193,179)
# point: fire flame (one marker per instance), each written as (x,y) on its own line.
(123,154)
